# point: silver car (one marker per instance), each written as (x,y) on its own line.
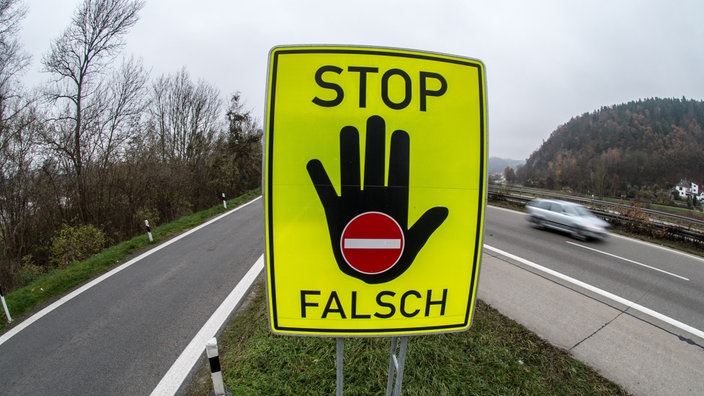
(565,216)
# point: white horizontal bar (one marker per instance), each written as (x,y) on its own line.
(361,243)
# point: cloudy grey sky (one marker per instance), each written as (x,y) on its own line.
(546,60)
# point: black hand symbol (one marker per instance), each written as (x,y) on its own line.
(391,200)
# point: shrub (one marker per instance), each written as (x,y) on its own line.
(28,271)
(75,243)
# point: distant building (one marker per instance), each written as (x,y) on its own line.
(497,178)
(685,189)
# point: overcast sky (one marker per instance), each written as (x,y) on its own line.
(546,60)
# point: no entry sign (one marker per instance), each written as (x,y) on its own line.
(372,243)
(374,187)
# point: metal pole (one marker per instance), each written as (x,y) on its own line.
(401,366)
(339,364)
(396,366)
(392,365)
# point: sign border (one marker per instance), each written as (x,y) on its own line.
(270,105)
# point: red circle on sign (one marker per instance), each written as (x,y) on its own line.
(372,243)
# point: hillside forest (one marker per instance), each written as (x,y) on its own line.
(639,150)
(103,146)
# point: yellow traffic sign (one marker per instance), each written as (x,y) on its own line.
(375,188)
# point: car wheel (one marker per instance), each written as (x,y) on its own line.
(537,223)
(578,233)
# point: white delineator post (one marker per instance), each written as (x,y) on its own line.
(211,349)
(224,201)
(149,231)
(4,305)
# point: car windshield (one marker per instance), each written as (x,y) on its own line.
(580,211)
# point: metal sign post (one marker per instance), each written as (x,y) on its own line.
(340,364)
(396,365)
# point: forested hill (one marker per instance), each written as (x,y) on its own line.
(639,148)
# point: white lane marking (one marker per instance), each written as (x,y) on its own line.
(361,243)
(178,372)
(656,246)
(604,293)
(628,260)
(21,326)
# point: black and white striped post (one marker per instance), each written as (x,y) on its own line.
(4,306)
(211,349)
(224,201)
(149,231)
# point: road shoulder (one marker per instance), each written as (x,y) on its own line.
(638,352)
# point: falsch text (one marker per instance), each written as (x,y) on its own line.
(409,304)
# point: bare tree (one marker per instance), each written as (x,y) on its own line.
(122,104)
(184,118)
(18,153)
(12,62)
(16,143)
(184,123)
(78,60)
(240,155)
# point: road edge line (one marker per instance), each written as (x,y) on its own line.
(603,293)
(177,373)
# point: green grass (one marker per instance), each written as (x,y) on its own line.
(58,282)
(496,356)
(696,214)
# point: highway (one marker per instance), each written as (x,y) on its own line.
(122,335)
(663,280)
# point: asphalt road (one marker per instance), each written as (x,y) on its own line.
(627,309)
(664,280)
(122,335)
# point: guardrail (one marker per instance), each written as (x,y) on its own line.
(656,224)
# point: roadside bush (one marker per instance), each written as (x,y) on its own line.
(28,272)
(635,220)
(75,243)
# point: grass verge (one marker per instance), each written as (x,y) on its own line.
(58,282)
(497,356)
